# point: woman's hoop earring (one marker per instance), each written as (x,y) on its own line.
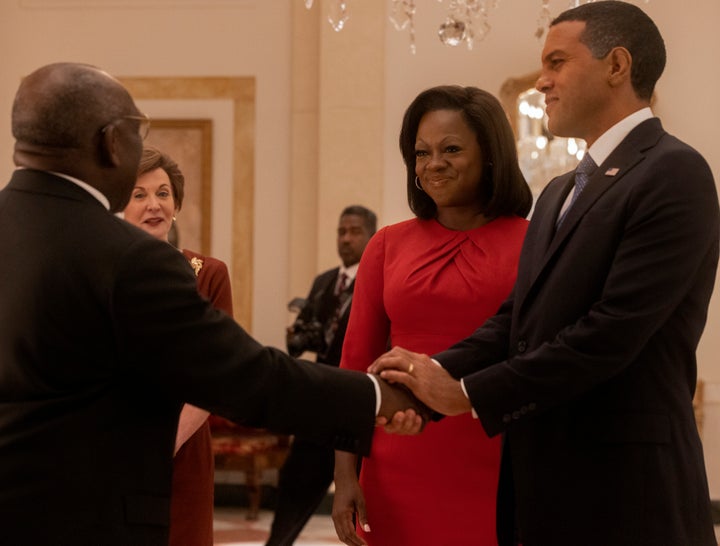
(417,184)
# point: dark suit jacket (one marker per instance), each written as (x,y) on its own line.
(321,306)
(103,337)
(596,354)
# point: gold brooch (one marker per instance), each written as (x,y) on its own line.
(196,264)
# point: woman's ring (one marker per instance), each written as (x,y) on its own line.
(410,369)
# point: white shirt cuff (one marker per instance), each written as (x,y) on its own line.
(378,398)
(462,385)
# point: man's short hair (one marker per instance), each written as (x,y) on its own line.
(613,24)
(367,215)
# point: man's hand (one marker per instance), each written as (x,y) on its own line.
(429,382)
(400,411)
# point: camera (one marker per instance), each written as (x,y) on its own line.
(305,335)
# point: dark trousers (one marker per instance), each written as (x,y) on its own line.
(302,484)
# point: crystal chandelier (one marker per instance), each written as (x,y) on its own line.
(466,21)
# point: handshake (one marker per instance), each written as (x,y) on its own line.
(412,386)
(400,411)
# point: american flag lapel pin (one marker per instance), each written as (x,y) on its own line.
(612,171)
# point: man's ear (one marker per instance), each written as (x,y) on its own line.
(619,66)
(109,146)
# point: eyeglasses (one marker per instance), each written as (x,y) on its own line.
(142,120)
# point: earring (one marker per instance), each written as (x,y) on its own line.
(174,218)
(417,184)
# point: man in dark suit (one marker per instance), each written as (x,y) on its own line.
(104,335)
(320,327)
(589,367)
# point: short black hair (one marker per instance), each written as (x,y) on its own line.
(366,214)
(611,24)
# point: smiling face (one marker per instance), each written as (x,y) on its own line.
(575,84)
(152,205)
(448,162)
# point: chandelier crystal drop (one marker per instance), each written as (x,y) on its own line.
(402,16)
(466,21)
(338,15)
(543,19)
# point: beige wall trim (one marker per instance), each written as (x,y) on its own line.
(304,149)
(241,91)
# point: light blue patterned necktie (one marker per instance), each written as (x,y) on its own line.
(582,174)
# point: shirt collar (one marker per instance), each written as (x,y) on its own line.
(609,140)
(350,272)
(97,194)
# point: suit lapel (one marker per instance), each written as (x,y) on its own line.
(608,174)
(620,162)
(556,196)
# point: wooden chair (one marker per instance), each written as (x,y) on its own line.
(247,450)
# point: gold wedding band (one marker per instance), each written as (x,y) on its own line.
(410,369)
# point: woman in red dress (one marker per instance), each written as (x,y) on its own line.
(155,200)
(425,284)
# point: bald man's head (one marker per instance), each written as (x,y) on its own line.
(63,105)
(78,120)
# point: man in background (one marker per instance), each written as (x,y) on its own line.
(320,328)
